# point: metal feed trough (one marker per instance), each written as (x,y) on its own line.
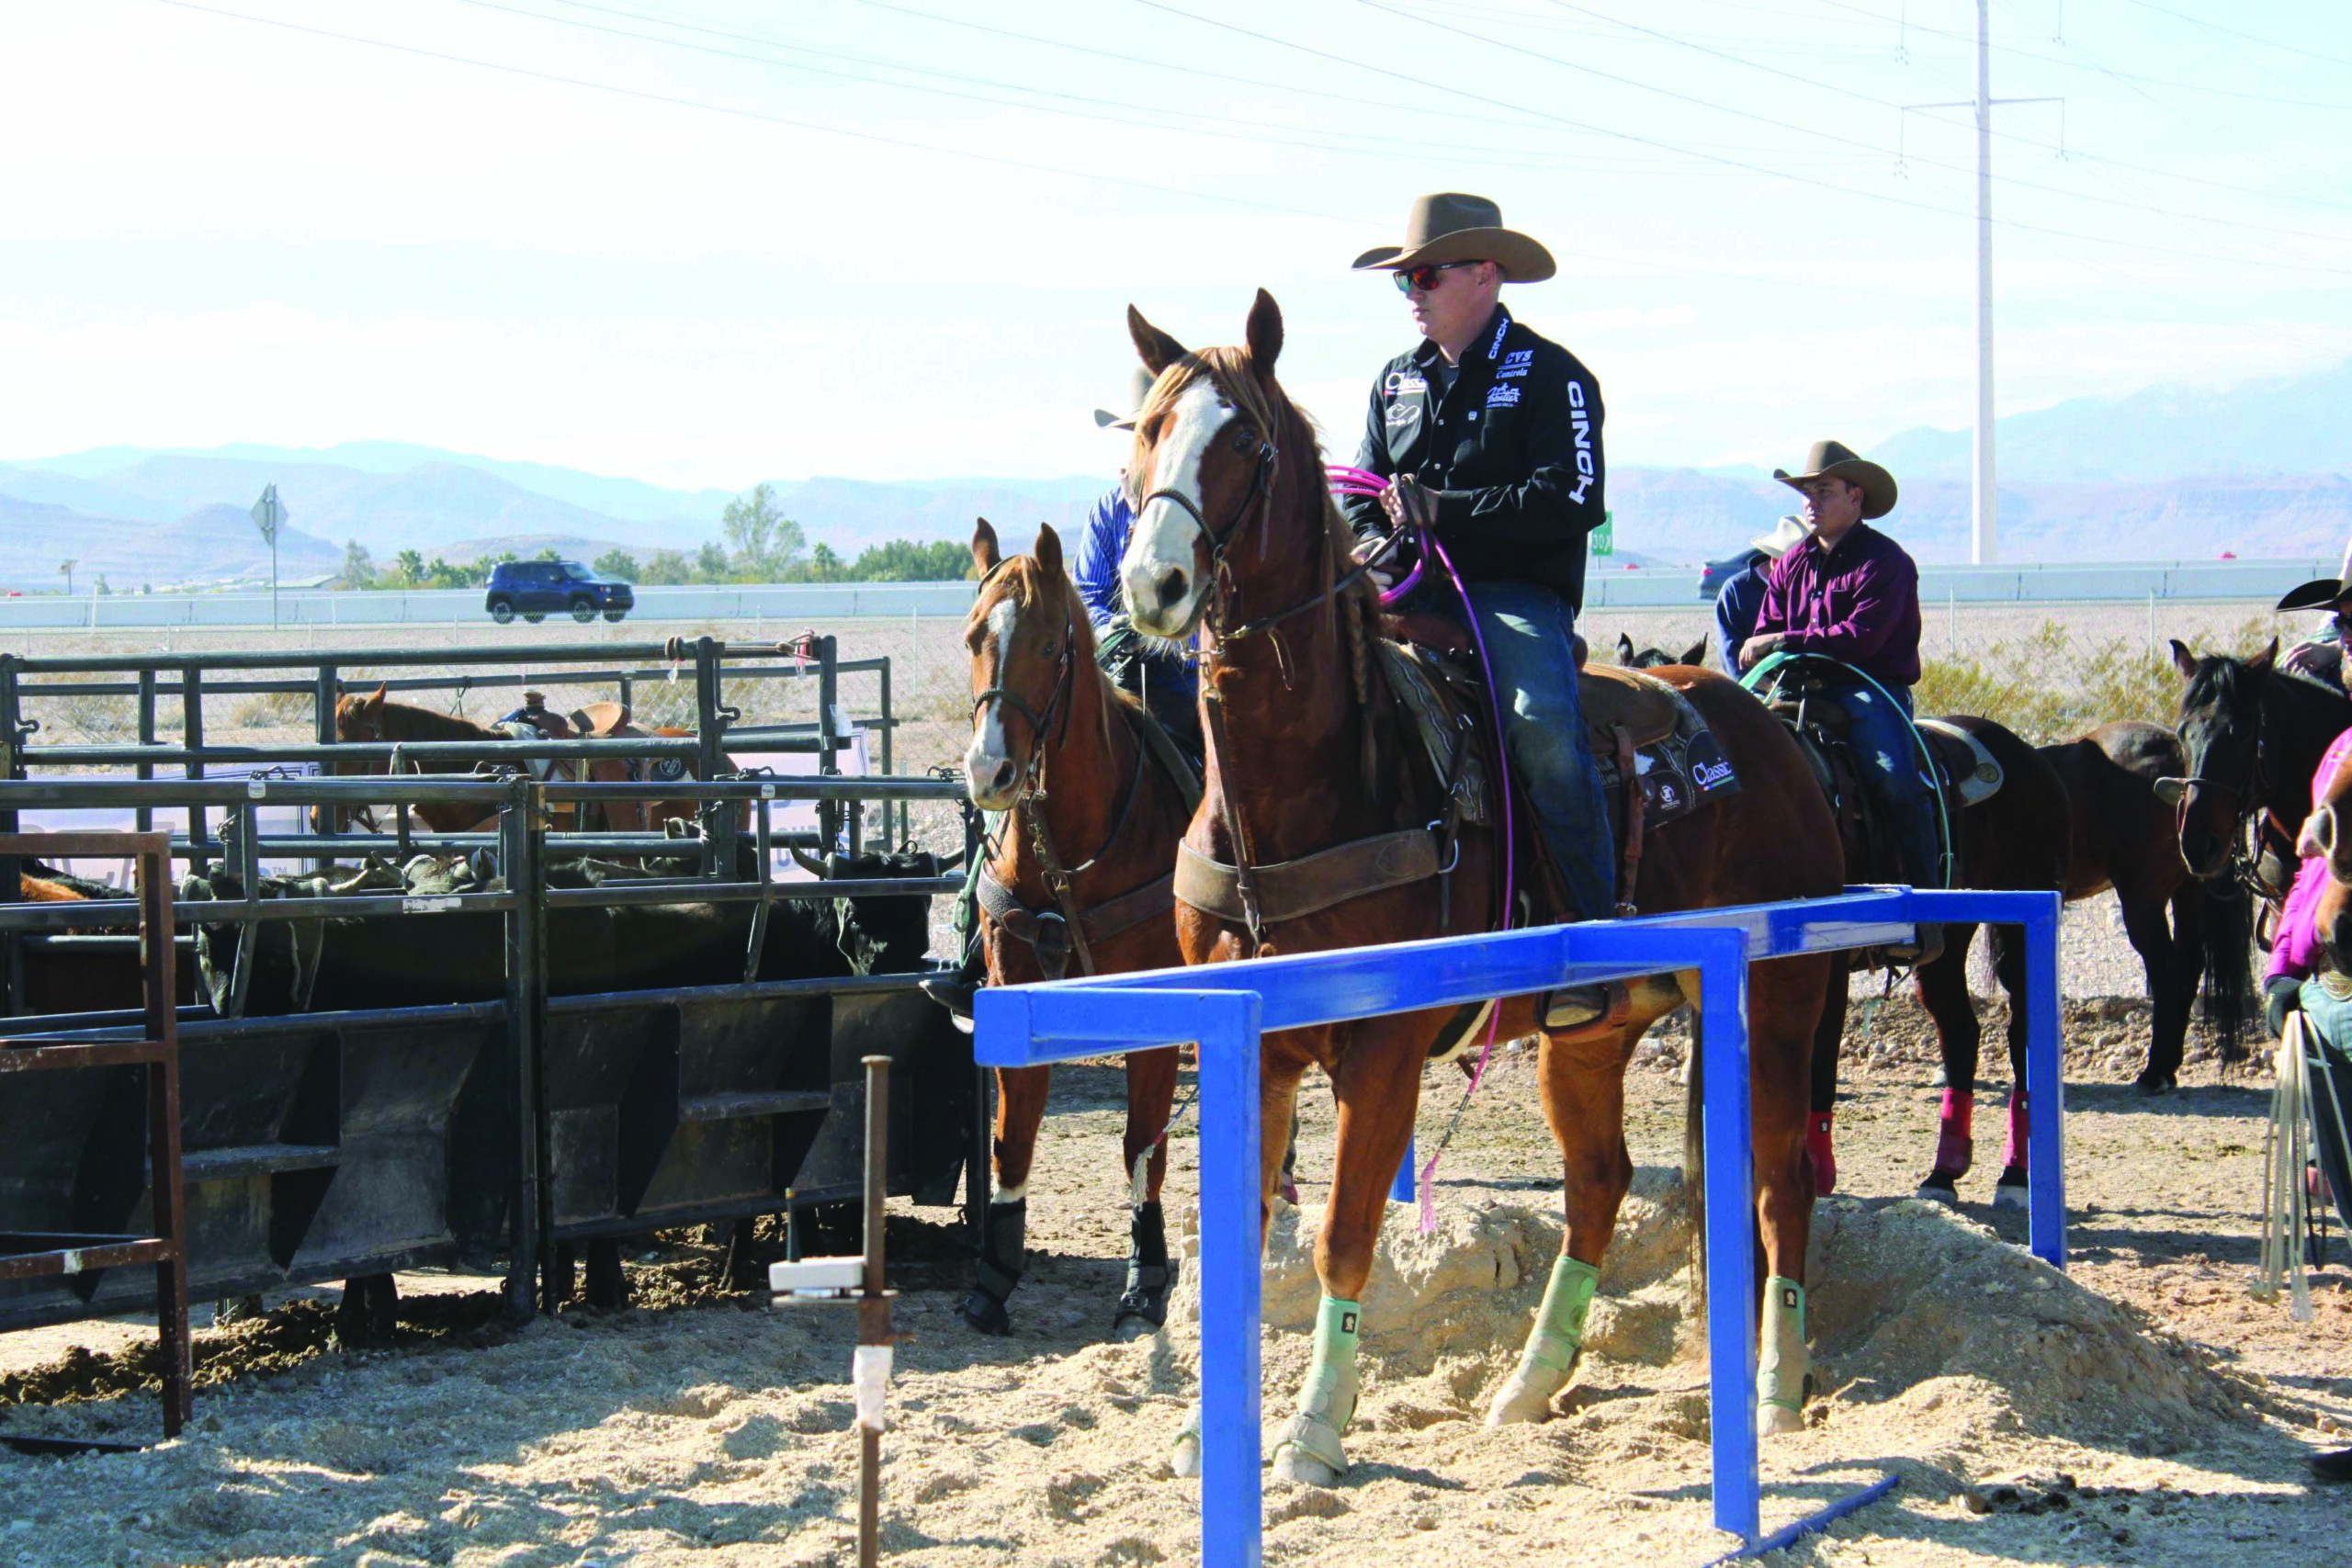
(330,1146)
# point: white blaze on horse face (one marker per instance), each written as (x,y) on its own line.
(1165,534)
(985,761)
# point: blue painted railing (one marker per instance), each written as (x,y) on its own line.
(1224,1009)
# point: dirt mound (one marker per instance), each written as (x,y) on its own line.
(1915,1305)
(1918,1315)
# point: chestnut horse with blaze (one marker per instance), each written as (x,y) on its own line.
(1236,537)
(1077,878)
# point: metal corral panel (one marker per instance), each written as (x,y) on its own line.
(315,1149)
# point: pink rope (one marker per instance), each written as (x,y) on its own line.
(1346,479)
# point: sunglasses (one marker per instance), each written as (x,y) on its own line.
(1424,278)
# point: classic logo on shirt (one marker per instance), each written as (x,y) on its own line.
(1403,413)
(1502,395)
(1518,362)
(1407,383)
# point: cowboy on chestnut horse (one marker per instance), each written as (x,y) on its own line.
(1490,437)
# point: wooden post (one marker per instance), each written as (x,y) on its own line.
(874,1335)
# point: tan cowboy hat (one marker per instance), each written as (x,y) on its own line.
(1788,534)
(1450,227)
(1837,459)
(1139,388)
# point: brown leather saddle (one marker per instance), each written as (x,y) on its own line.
(1965,775)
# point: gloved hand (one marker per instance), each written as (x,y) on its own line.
(1384,571)
(2280,996)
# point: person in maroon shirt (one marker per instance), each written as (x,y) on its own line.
(1852,594)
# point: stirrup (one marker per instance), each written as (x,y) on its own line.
(1576,1007)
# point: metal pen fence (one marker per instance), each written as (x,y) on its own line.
(326,1145)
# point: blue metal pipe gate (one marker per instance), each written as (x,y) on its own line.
(1224,1009)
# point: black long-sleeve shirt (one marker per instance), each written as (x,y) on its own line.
(1510,439)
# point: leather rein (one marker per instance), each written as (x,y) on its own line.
(1261,894)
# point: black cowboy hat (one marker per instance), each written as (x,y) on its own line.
(2321,592)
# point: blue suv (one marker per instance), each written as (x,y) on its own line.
(534,588)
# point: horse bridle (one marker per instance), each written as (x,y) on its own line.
(1059,879)
(2244,794)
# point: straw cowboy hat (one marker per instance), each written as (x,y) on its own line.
(1139,388)
(1789,532)
(1450,227)
(1834,459)
(2321,592)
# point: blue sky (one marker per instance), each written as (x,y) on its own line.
(707,242)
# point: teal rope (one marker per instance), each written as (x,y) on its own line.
(1772,661)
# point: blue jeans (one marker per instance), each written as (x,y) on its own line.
(1530,640)
(1888,759)
(2331,1019)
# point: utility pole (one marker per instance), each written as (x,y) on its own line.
(1983,543)
(1984,547)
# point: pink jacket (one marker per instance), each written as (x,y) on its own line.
(2295,954)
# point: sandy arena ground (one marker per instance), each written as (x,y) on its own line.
(2144,1408)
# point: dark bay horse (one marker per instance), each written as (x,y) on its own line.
(373,717)
(1236,537)
(2125,836)
(2252,736)
(2016,839)
(1657,657)
(1077,882)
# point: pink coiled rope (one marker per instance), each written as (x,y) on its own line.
(1348,481)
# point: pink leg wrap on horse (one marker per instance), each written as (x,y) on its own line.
(2013,1150)
(1819,1150)
(1955,1139)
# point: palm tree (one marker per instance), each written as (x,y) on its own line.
(67,568)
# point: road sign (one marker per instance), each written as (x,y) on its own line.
(1604,538)
(270,514)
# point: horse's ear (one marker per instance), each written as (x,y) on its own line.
(375,699)
(1047,550)
(1624,649)
(1265,334)
(2261,663)
(985,554)
(1696,654)
(1159,350)
(2183,660)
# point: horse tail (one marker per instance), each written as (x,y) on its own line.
(1694,1162)
(2227,926)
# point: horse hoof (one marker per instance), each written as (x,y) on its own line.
(2153,1086)
(1941,1189)
(1520,1401)
(2010,1195)
(1774,1420)
(1185,1459)
(986,1314)
(1288,1190)
(1308,1452)
(1134,1321)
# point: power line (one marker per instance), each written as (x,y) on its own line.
(1100,109)
(2233,33)
(644,95)
(1356,222)
(2162,211)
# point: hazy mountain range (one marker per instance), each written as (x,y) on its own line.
(2167,473)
